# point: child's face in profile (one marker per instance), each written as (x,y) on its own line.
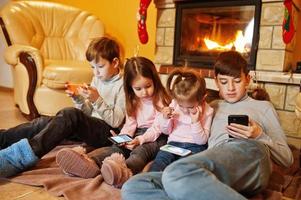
(143,87)
(232,89)
(104,69)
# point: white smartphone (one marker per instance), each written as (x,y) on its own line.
(119,139)
(175,150)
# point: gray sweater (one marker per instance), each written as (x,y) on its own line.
(264,114)
(111,106)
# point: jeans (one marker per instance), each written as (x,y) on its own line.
(135,159)
(228,171)
(164,158)
(45,133)
(26,130)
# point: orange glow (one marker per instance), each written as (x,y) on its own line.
(240,44)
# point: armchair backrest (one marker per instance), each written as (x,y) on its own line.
(60,32)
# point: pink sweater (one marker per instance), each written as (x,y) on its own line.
(145,116)
(180,128)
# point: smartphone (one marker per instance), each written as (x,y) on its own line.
(175,150)
(73,87)
(119,139)
(238,119)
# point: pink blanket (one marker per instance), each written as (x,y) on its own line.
(47,174)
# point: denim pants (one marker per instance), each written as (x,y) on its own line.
(45,133)
(164,158)
(228,171)
(135,159)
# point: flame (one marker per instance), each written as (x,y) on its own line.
(240,44)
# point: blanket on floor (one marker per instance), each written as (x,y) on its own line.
(284,183)
(47,174)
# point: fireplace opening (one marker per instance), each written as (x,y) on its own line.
(205,29)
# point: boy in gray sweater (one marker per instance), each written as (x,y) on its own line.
(238,161)
(99,109)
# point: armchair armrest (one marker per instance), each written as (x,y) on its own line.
(31,58)
(13,53)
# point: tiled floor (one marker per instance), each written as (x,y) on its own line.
(9,117)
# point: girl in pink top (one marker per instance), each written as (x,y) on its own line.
(145,96)
(186,120)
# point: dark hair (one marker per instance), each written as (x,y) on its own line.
(186,86)
(103,47)
(142,66)
(231,63)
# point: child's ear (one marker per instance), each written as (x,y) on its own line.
(248,78)
(116,62)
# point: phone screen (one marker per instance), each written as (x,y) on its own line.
(175,150)
(239,119)
(121,139)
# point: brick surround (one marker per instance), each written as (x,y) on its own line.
(273,60)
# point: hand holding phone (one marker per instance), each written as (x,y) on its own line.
(238,119)
(73,88)
(120,139)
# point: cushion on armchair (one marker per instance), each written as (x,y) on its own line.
(57,73)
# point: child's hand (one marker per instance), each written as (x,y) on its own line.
(241,131)
(89,93)
(167,112)
(71,91)
(113,133)
(129,145)
(132,144)
(195,114)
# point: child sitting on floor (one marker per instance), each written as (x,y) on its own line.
(186,120)
(145,97)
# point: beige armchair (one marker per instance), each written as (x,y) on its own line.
(46,48)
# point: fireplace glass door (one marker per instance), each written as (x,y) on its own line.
(204,29)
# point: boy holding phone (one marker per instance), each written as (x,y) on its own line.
(231,168)
(99,109)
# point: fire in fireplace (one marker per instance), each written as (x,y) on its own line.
(206,28)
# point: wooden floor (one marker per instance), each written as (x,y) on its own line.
(10,116)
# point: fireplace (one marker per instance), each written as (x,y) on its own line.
(203,29)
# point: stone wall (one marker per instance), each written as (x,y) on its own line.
(273,60)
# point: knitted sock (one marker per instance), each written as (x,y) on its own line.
(77,164)
(16,158)
(115,171)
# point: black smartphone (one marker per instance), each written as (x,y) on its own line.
(239,119)
(119,139)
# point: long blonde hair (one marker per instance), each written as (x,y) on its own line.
(186,85)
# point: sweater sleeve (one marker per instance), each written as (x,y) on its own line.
(153,132)
(114,113)
(273,136)
(129,126)
(201,129)
(80,103)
